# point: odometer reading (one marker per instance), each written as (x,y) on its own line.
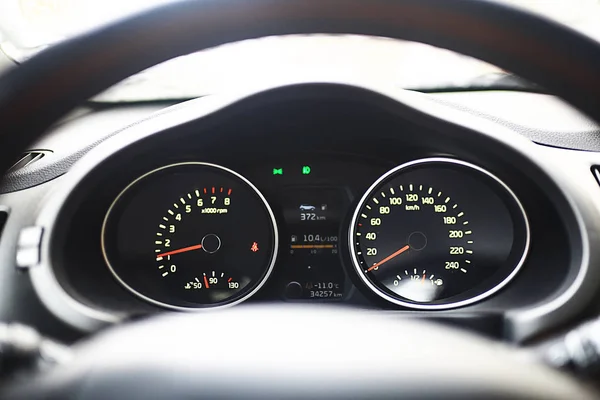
(438,233)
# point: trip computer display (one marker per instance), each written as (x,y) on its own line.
(312,267)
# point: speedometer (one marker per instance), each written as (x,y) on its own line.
(438,233)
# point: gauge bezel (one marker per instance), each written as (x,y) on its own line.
(455,304)
(225,304)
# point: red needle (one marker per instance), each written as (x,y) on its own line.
(388,258)
(206,282)
(170,253)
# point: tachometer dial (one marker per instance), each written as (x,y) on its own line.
(438,233)
(190,235)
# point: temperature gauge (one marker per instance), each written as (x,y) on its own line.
(212,281)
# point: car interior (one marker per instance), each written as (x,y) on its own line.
(426,228)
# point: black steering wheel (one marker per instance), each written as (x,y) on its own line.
(301,352)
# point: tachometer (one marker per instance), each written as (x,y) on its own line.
(190,236)
(438,233)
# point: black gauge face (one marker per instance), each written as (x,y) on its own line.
(438,233)
(190,235)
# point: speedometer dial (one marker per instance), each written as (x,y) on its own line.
(438,233)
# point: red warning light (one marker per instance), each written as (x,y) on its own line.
(254,247)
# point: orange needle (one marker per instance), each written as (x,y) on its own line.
(423,280)
(388,258)
(170,253)
(206,282)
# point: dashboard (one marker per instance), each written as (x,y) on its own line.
(312,193)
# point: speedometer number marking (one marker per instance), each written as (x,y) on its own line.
(415,201)
(438,233)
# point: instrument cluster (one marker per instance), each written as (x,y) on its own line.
(433,233)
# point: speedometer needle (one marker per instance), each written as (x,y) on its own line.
(388,258)
(183,250)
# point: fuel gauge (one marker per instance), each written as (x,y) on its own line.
(418,285)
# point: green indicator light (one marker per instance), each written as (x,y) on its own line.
(277,171)
(305,170)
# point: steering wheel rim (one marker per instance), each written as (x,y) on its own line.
(251,356)
(52,83)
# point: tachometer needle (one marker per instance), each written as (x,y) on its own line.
(183,250)
(388,258)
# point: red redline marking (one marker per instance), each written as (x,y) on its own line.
(229,280)
(183,250)
(388,258)
(204,190)
(221,190)
(213,190)
(229,192)
(359,224)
